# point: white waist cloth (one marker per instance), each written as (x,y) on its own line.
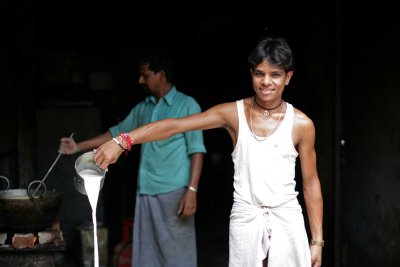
(278,232)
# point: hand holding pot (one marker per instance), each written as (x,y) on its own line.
(108,153)
(68,146)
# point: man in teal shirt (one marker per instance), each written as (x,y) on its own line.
(169,171)
(167,158)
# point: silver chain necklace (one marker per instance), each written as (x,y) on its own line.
(251,124)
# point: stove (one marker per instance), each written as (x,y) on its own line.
(31,249)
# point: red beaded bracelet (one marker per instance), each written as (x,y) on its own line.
(128,140)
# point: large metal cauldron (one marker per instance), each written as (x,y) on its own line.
(24,212)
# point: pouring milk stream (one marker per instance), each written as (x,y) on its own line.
(88,180)
(92,180)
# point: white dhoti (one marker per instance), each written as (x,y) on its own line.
(278,232)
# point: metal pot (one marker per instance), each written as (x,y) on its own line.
(86,166)
(22,212)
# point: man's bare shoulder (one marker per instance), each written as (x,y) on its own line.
(226,115)
(226,107)
(303,128)
(301,119)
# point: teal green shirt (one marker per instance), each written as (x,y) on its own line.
(164,165)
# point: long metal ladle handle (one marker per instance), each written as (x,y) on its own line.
(54,163)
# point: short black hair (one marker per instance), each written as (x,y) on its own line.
(275,50)
(159,59)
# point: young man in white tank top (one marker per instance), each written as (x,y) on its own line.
(266,223)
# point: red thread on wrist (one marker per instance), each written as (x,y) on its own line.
(128,140)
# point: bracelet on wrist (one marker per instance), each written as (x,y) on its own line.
(119,144)
(191,188)
(318,243)
(128,140)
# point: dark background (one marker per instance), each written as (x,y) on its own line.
(70,67)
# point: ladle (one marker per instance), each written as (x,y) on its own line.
(51,167)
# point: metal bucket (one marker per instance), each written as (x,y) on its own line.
(86,166)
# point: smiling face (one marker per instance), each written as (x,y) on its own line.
(269,82)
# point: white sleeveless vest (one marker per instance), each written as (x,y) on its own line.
(265,170)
